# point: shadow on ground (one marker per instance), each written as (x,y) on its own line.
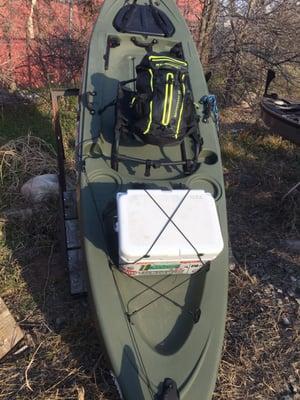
(63,358)
(260,350)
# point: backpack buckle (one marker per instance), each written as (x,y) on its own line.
(151,163)
(148,167)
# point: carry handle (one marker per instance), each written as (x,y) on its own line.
(146,45)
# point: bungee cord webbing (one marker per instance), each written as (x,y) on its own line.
(195,314)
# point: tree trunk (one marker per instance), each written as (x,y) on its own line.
(234,57)
(8,73)
(30,22)
(207,22)
(71,10)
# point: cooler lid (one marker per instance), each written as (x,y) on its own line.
(143,226)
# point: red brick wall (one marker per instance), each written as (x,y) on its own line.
(50,17)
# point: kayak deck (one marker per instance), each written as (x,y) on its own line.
(122,63)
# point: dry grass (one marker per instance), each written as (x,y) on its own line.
(63,358)
(261,353)
(260,359)
(20,159)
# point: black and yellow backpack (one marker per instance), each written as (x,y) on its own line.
(160,110)
(163,108)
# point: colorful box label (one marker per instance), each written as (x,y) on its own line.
(161,268)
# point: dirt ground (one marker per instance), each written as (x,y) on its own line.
(62,358)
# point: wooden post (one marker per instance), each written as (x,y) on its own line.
(10,332)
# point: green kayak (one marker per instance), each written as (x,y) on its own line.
(151,327)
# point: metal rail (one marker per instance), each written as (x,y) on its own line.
(56,94)
(70,242)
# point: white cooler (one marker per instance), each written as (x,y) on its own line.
(148,244)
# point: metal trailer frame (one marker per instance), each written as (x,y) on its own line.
(69,225)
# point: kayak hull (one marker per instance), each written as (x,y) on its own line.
(151,327)
(285,123)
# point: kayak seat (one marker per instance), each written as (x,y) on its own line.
(144,19)
(283,105)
